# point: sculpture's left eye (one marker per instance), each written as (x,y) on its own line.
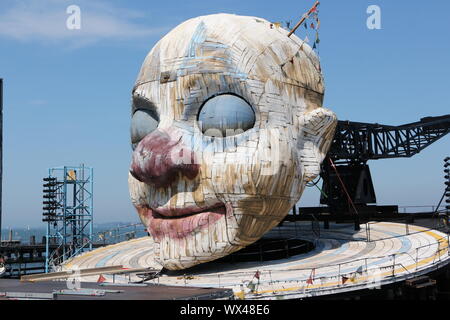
(143,122)
(225,115)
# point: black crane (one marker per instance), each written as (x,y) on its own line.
(347,183)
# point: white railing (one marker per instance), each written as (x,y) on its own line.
(121,233)
(367,272)
(420,209)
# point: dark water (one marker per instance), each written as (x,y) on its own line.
(107,233)
(113,232)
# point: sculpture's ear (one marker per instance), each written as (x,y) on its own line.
(315,136)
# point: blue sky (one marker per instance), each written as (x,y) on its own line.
(67,93)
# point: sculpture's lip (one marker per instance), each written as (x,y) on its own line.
(173,213)
(183,222)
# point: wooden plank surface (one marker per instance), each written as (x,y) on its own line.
(340,251)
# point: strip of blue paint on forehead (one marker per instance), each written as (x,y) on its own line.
(198,41)
(198,38)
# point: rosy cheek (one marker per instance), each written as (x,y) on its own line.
(144,214)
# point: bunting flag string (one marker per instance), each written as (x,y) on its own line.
(315,18)
(310,20)
(304,18)
(344,279)
(313,23)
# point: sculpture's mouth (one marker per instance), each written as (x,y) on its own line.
(177,223)
(177,213)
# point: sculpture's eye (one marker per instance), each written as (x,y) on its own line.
(143,122)
(225,115)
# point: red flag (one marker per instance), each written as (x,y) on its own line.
(311,277)
(257,274)
(101,279)
(344,279)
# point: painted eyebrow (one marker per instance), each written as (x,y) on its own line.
(142,103)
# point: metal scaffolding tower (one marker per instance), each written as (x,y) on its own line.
(68,211)
(446,194)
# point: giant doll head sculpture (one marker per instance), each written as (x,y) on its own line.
(227,128)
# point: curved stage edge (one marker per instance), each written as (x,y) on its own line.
(343,260)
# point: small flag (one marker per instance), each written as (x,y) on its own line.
(101,279)
(251,286)
(311,277)
(360,270)
(257,274)
(344,279)
(312,25)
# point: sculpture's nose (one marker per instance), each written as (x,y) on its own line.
(159,160)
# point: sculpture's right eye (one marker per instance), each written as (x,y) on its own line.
(143,122)
(226,115)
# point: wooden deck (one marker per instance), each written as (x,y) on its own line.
(343,260)
(57,290)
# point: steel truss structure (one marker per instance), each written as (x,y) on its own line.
(68,210)
(345,172)
(356,141)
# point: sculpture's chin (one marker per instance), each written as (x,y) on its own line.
(180,223)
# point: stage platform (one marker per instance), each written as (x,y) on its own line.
(57,290)
(343,260)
